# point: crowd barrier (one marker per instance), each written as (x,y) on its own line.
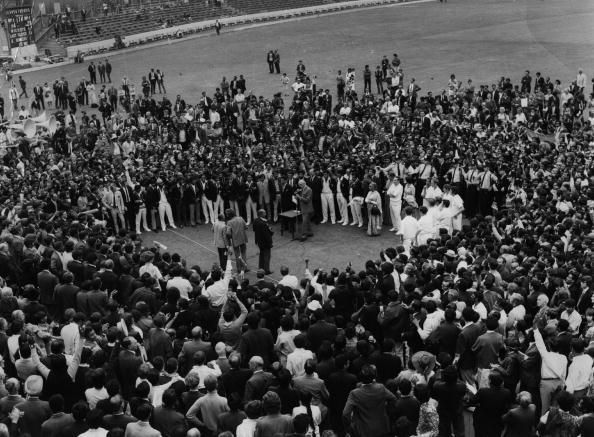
(200,26)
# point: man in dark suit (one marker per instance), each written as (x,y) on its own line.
(118,419)
(38,93)
(109,279)
(236,378)
(262,283)
(259,382)
(466,339)
(445,336)
(65,294)
(108,70)
(449,392)
(97,299)
(321,330)
(159,342)
(339,385)
(256,341)
(491,404)
(47,282)
(305,196)
(407,405)
(130,207)
(166,418)
(127,365)
(263,238)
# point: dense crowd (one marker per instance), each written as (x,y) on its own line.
(481,302)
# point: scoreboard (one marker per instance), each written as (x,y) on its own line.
(20,29)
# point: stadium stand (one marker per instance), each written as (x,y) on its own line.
(134,20)
(155,16)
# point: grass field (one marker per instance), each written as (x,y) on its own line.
(478,39)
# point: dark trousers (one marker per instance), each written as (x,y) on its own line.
(307,223)
(102,76)
(271,67)
(277,67)
(222,256)
(40,102)
(153,86)
(451,422)
(380,86)
(264,258)
(485,199)
(366,85)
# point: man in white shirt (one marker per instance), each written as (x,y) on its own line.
(572,316)
(296,359)
(164,206)
(328,188)
(247,428)
(581,80)
(426,225)
(395,193)
(288,280)
(409,228)
(217,292)
(202,369)
(434,318)
(431,192)
(518,312)
(177,281)
(553,370)
(580,370)
(70,333)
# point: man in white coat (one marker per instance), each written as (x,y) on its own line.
(395,194)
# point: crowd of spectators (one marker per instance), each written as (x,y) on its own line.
(103,333)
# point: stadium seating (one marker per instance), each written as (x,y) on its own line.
(134,21)
(155,16)
(255,6)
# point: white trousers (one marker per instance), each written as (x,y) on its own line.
(141,219)
(165,209)
(395,208)
(207,210)
(328,204)
(276,203)
(356,205)
(343,208)
(219,206)
(115,215)
(250,209)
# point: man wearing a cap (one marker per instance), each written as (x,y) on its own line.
(34,410)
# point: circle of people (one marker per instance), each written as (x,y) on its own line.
(483,308)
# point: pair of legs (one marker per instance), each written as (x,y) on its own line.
(115,216)
(250,210)
(141,219)
(240,257)
(395,209)
(165,210)
(343,209)
(219,206)
(328,205)
(356,206)
(208,210)
(264,259)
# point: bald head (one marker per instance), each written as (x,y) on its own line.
(193,433)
